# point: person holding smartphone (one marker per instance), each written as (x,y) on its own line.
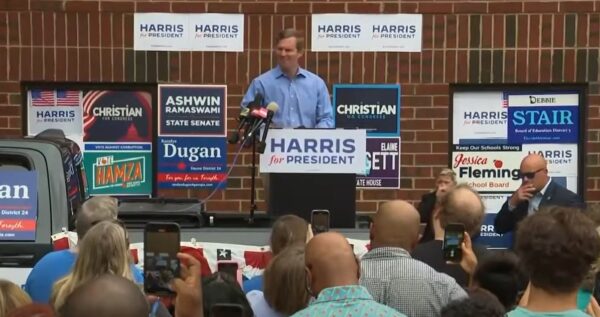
(392,276)
(460,215)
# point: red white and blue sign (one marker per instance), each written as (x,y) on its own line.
(375,108)
(543,118)
(192,162)
(18,205)
(192,110)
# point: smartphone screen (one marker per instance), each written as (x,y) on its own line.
(453,239)
(320,221)
(161,265)
(226,310)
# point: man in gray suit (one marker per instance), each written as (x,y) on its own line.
(537,190)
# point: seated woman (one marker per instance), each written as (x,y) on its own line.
(11,297)
(284,285)
(445,181)
(103,250)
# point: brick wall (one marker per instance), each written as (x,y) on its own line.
(463,42)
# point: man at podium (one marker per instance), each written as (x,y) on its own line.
(302,96)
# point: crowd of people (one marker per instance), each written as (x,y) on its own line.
(551,269)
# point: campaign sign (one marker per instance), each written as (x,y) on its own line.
(118,172)
(192,162)
(161,32)
(192,110)
(18,205)
(383,164)
(479,118)
(494,171)
(366,32)
(488,237)
(217,32)
(562,161)
(543,118)
(55,109)
(314,151)
(375,108)
(117,116)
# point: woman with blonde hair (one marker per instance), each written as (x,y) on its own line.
(103,250)
(11,297)
(285,290)
(445,181)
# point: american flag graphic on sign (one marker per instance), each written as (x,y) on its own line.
(42,98)
(67,97)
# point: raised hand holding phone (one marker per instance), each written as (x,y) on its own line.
(161,264)
(188,302)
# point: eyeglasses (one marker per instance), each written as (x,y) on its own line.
(529,175)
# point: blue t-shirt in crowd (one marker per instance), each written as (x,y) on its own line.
(522,312)
(51,268)
(253,284)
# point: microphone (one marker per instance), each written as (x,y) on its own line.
(245,119)
(235,137)
(272,107)
(260,115)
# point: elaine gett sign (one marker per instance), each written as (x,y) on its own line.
(367,32)
(185,32)
(314,151)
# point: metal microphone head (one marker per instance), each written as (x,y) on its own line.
(245,112)
(273,106)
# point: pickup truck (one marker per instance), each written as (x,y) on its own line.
(42,185)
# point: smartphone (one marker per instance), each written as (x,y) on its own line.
(319,220)
(453,239)
(231,268)
(161,265)
(227,310)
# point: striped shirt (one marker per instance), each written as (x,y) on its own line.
(412,287)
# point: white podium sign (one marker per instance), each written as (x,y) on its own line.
(314,151)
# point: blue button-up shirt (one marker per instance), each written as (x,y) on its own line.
(303,100)
(351,300)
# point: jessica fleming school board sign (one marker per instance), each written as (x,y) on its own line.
(314,151)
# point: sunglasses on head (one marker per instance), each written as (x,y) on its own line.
(529,175)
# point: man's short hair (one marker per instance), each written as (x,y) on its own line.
(290,32)
(557,247)
(480,303)
(220,288)
(448,172)
(453,211)
(499,272)
(94,210)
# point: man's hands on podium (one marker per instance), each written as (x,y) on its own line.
(525,192)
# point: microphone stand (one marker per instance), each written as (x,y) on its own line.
(253,177)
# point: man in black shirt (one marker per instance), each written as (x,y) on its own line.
(462,205)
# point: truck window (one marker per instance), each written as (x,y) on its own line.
(14,163)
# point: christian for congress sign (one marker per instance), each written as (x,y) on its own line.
(314,151)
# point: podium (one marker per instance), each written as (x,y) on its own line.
(314,169)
